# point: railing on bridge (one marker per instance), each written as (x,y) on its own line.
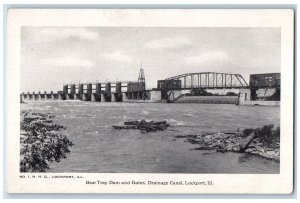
(205,80)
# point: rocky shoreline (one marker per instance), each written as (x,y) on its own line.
(239,142)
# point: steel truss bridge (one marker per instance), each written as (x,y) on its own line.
(208,80)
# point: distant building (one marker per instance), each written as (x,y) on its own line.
(165,85)
(265,87)
(136,86)
(169,84)
(267,80)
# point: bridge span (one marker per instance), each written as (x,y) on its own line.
(175,87)
(203,80)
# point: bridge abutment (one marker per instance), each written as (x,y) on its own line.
(155,96)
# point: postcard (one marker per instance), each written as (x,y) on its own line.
(176,101)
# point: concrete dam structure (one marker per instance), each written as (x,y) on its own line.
(97,92)
(264,89)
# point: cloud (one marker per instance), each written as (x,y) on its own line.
(208,58)
(51,34)
(67,62)
(168,43)
(117,56)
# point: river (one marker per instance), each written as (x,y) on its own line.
(98,148)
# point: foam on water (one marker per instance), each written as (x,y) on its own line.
(180,122)
(188,115)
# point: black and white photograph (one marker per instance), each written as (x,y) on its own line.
(165,99)
(150,100)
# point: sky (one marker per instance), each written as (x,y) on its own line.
(53,56)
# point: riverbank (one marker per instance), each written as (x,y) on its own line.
(263,142)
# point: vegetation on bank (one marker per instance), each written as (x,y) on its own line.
(41,142)
(268,135)
(203,92)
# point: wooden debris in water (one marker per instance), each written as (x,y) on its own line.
(143,125)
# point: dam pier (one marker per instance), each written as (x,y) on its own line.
(202,87)
(96,92)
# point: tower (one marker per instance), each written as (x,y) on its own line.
(141,79)
(141,74)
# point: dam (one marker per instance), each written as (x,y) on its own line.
(264,89)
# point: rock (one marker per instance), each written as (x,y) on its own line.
(180,136)
(270,153)
(261,150)
(249,150)
(222,142)
(208,137)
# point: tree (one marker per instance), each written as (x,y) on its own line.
(231,94)
(41,142)
(268,134)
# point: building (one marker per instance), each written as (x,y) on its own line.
(264,89)
(136,86)
(164,86)
(169,84)
(267,80)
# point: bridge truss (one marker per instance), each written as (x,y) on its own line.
(209,80)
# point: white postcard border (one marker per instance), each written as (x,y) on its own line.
(223,183)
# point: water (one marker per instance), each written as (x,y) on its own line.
(99,148)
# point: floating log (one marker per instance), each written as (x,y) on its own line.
(145,122)
(158,122)
(145,126)
(125,127)
(131,123)
(246,142)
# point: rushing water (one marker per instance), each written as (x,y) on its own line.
(100,148)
